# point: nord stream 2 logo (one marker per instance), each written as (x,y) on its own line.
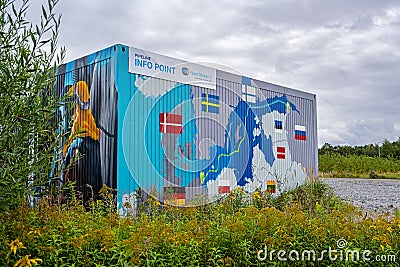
(185,71)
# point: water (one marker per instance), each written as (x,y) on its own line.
(378,195)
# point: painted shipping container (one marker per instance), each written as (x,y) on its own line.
(183,132)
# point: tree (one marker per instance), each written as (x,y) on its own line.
(388,150)
(28,59)
(326,149)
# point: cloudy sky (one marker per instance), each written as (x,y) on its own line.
(347,52)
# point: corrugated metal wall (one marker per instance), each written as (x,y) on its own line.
(203,142)
(87,119)
(184,143)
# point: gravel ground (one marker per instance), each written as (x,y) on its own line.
(376,195)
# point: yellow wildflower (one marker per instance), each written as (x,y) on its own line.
(279,229)
(256,195)
(16,244)
(35,232)
(26,261)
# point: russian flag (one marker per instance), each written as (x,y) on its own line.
(300,132)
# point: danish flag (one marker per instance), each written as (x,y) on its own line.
(170,123)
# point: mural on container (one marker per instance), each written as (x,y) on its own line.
(178,131)
(198,143)
(87,121)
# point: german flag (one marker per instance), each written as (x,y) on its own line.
(175,195)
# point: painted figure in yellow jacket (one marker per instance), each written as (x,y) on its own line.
(84,124)
(83,142)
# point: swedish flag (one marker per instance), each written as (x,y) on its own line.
(210,103)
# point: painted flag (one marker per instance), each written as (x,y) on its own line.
(278,126)
(300,132)
(223,186)
(175,195)
(280,152)
(271,186)
(249,93)
(210,103)
(170,123)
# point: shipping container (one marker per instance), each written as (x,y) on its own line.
(183,132)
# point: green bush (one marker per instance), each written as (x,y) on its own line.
(27,70)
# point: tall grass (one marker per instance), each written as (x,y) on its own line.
(229,232)
(335,165)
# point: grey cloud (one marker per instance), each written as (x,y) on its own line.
(344,51)
(363,22)
(309,13)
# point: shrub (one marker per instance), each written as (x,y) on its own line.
(27,69)
(225,233)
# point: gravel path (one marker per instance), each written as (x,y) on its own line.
(378,195)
